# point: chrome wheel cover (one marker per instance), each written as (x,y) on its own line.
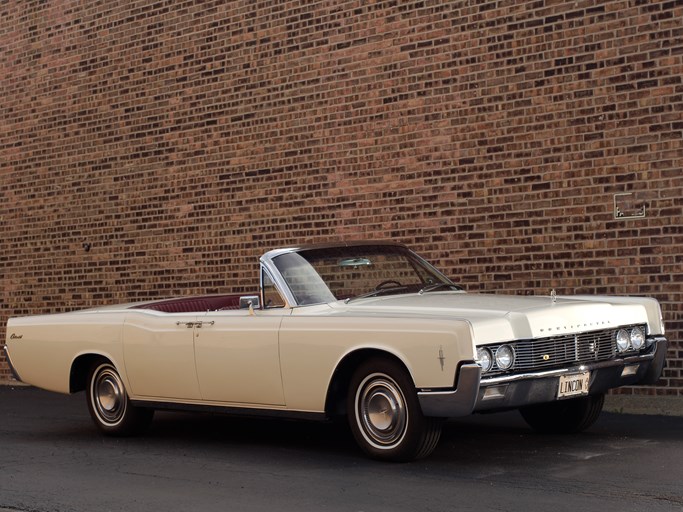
(108,396)
(381,411)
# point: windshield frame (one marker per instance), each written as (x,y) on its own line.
(269,262)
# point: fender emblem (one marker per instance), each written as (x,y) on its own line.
(16,336)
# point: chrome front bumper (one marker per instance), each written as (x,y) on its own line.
(457,402)
(475,394)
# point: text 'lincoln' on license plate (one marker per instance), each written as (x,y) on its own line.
(575,384)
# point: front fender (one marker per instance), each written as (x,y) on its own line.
(312,347)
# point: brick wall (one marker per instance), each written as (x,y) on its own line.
(179,140)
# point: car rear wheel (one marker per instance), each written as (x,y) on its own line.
(564,416)
(385,416)
(109,405)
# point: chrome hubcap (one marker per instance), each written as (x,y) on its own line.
(381,411)
(108,395)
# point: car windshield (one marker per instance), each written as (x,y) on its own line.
(316,276)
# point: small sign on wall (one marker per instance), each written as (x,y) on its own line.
(628,206)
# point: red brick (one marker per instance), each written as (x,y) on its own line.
(182,141)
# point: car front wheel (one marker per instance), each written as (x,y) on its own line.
(109,405)
(385,416)
(564,416)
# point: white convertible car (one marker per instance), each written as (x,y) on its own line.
(369,331)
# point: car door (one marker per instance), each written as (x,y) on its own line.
(159,355)
(237,356)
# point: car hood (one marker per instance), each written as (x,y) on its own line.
(496,318)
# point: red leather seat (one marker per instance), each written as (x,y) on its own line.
(194,304)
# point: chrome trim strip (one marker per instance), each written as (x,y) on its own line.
(561,371)
(330,245)
(269,267)
(231,410)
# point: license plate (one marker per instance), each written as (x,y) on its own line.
(575,384)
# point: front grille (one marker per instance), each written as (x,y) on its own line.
(559,351)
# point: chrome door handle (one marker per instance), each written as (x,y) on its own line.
(200,323)
(189,325)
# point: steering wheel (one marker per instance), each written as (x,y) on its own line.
(388,281)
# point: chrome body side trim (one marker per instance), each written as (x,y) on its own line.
(250,412)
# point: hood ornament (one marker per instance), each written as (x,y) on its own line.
(553,296)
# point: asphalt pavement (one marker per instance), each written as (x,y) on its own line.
(52,459)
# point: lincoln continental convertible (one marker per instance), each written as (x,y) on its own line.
(368,333)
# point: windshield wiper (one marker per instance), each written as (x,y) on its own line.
(375,293)
(436,286)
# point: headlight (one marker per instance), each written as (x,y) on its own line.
(505,357)
(484,359)
(623,340)
(637,338)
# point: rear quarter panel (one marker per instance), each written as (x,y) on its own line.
(43,348)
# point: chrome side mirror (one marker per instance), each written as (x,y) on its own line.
(250,301)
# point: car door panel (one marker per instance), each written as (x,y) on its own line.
(159,355)
(237,357)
